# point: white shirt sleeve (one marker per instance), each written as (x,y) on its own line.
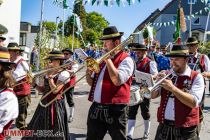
(126,69)
(197,90)
(207,63)
(153,68)
(8,108)
(21,70)
(64,77)
(74,67)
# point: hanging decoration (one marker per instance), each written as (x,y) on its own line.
(110,2)
(171,23)
(61,3)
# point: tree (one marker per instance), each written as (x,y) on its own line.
(49,26)
(95,23)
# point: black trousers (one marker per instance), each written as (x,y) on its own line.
(69,97)
(103,118)
(169,132)
(23,102)
(133,110)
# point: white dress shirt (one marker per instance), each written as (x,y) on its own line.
(206,61)
(21,70)
(196,91)
(74,67)
(125,69)
(8,108)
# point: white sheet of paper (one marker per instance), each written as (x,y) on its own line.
(81,54)
(144,79)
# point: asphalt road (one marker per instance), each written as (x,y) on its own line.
(78,127)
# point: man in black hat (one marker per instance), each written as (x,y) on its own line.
(143,64)
(110,91)
(2,39)
(178,113)
(68,54)
(201,63)
(23,90)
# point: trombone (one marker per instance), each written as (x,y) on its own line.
(50,92)
(94,64)
(31,75)
(90,63)
(146,91)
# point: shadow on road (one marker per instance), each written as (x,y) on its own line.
(75,136)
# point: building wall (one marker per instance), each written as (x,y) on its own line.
(165,34)
(10,12)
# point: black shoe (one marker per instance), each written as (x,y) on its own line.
(129,138)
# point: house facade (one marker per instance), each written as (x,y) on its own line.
(10,12)
(160,19)
(28,34)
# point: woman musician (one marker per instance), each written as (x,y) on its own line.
(52,118)
(8,100)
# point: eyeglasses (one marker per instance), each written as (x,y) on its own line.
(66,53)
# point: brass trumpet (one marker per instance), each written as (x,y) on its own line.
(146,91)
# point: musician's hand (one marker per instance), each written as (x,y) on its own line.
(89,71)
(167,85)
(206,74)
(160,75)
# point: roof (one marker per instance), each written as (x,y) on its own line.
(150,18)
(173,4)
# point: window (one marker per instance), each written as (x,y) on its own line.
(196,21)
(22,39)
(192,1)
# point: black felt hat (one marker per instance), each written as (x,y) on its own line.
(2,38)
(110,33)
(68,50)
(137,46)
(5,57)
(13,46)
(55,55)
(192,41)
(163,47)
(178,51)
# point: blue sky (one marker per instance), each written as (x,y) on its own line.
(126,19)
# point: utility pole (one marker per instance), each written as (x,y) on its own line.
(40,36)
(190,27)
(56,30)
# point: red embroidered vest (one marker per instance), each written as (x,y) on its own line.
(184,115)
(22,89)
(111,94)
(143,65)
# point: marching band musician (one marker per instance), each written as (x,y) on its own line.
(110,91)
(8,100)
(54,116)
(178,113)
(143,64)
(22,91)
(72,69)
(201,63)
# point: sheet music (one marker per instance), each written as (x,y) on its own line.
(81,54)
(144,79)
